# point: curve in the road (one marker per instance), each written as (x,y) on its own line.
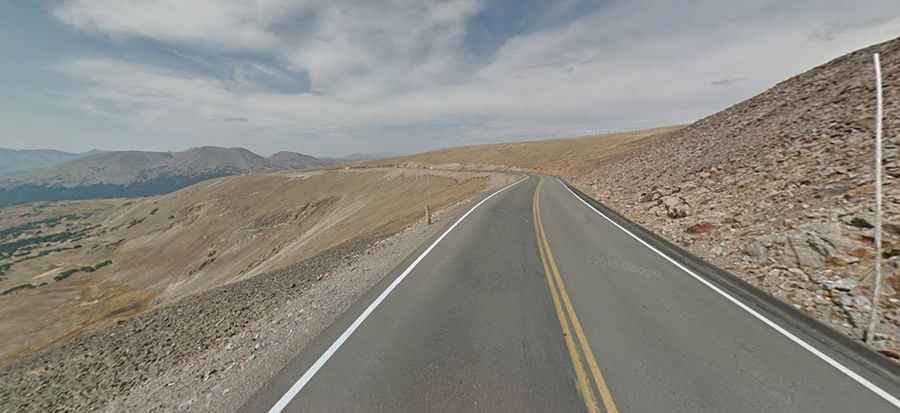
(531,302)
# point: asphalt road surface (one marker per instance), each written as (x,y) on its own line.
(537,301)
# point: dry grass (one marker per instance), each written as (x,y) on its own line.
(547,155)
(167,247)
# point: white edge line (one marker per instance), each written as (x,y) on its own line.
(834,363)
(308,375)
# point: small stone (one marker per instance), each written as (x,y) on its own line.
(860,253)
(845,284)
(700,228)
(891,353)
(756,251)
(799,274)
(861,302)
(676,207)
(859,222)
(891,228)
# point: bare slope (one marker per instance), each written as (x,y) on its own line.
(84,265)
(551,156)
(779,189)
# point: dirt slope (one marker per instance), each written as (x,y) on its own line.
(83,265)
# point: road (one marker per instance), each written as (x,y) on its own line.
(570,312)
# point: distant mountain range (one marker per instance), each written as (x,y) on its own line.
(294,160)
(17,162)
(353,157)
(48,175)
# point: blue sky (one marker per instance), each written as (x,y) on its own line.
(336,77)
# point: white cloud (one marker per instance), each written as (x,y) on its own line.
(371,49)
(399,64)
(225,23)
(148,95)
(349,49)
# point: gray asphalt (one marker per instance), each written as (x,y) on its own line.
(473,328)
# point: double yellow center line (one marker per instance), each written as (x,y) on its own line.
(566,317)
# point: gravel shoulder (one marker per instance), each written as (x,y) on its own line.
(211,351)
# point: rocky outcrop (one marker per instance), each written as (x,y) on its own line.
(779,190)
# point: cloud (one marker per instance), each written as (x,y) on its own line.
(408,75)
(346,48)
(848,24)
(728,81)
(226,24)
(146,93)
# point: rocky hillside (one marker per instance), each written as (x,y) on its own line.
(139,173)
(779,190)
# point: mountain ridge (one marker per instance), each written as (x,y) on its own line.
(141,173)
(21,161)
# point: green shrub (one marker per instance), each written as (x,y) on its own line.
(65,274)
(16,288)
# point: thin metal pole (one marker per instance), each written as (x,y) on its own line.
(873,317)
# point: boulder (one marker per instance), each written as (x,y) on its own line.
(676,207)
(651,196)
(819,244)
(803,255)
(756,251)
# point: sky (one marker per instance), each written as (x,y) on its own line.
(335,77)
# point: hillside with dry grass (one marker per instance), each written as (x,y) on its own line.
(552,156)
(76,266)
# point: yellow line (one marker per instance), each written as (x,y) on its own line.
(547,255)
(584,386)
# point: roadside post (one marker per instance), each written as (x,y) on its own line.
(876,291)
